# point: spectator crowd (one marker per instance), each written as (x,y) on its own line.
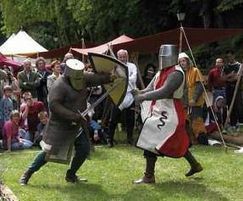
(24,101)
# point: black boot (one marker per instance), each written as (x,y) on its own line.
(148,177)
(195,166)
(73,178)
(25,177)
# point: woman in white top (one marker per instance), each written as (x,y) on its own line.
(56,71)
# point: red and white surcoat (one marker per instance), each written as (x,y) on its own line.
(164,130)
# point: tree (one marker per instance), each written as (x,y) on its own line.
(56,23)
(49,21)
(98,20)
(2,38)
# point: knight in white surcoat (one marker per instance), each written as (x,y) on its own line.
(163,116)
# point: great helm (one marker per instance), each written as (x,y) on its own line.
(168,56)
(74,71)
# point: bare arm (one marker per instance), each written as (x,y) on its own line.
(24,110)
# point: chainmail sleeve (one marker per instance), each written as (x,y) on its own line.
(56,103)
(198,91)
(172,83)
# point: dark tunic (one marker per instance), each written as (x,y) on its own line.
(64,122)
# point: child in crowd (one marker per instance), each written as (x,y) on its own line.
(6,106)
(43,117)
(220,112)
(97,134)
(29,110)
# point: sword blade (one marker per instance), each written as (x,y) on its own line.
(92,106)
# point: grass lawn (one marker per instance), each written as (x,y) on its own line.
(111,171)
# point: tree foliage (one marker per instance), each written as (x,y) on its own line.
(1,24)
(50,21)
(56,23)
(227,5)
(97,20)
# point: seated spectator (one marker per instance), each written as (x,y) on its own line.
(220,112)
(11,136)
(24,134)
(29,113)
(43,117)
(97,133)
(6,107)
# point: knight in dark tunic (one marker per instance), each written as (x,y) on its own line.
(67,128)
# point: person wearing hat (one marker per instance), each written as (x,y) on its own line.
(162,112)
(193,99)
(66,126)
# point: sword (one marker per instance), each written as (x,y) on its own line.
(92,106)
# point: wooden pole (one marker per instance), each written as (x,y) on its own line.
(83,46)
(204,89)
(180,40)
(139,76)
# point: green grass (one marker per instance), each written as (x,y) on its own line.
(111,171)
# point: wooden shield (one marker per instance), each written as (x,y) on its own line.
(107,64)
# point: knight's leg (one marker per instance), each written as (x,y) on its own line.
(148,177)
(195,165)
(82,149)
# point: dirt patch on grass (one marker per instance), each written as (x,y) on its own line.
(6,194)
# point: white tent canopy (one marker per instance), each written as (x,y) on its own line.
(22,44)
(7,42)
